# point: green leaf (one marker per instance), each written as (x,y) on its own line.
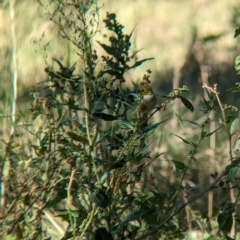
(133,216)
(192,122)
(117,164)
(105,117)
(179,165)
(234,89)
(67,235)
(100,198)
(230,117)
(64,217)
(128,38)
(94,139)
(109,50)
(133,94)
(74,107)
(184,140)
(212,37)
(138,63)
(152,216)
(201,109)
(136,52)
(187,104)
(221,184)
(179,119)
(77,137)
(158,155)
(53,202)
(225,222)
(209,134)
(207,103)
(232,173)
(237,32)
(110,72)
(152,127)
(102,138)
(211,237)
(237,65)
(126,124)
(234,125)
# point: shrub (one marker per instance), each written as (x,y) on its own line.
(76,164)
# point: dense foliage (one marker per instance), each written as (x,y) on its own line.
(77,163)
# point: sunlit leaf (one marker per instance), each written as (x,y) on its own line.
(126,124)
(234,126)
(38,123)
(133,216)
(237,65)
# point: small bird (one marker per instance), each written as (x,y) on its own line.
(148,100)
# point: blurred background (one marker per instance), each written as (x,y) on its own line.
(192,42)
(186,38)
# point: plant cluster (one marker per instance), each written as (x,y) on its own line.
(74,166)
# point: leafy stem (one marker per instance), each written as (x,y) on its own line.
(214,91)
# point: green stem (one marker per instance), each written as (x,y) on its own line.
(191,157)
(225,124)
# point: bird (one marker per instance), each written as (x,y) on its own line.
(147,100)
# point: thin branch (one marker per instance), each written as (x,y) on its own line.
(192,199)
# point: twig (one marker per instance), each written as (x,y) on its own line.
(177,210)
